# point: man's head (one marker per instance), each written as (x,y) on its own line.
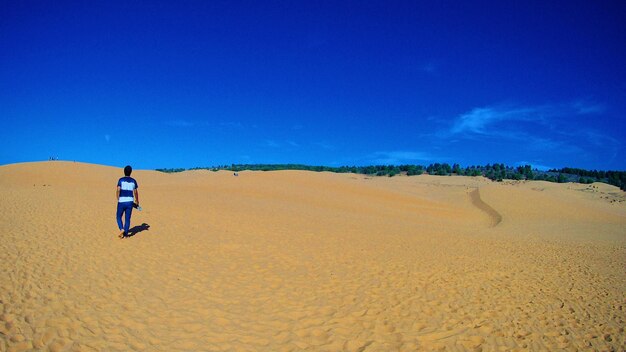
(127,170)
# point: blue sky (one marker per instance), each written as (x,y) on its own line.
(199,83)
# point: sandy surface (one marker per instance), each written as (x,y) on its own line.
(292,261)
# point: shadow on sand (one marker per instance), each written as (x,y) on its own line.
(137,229)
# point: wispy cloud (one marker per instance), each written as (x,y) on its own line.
(324,145)
(231,124)
(179,123)
(271,143)
(541,127)
(399,157)
(599,138)
(107,137)
(492,120)
(479,120)
(610,145)
(584,107)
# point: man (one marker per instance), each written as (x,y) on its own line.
(127,196)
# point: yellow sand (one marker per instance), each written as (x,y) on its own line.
(293,261)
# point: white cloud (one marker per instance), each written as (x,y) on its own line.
(479,119)
(482,120)
(536,129)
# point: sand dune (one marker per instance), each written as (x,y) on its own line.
(293,261)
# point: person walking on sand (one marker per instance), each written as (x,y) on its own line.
(127,196)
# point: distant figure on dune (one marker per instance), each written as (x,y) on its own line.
(127,197)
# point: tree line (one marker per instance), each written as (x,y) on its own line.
(494,172)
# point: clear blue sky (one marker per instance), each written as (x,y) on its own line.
(199,83)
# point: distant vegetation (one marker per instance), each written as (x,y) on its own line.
(494,172)
(169,171)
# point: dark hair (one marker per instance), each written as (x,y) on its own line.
(128,170)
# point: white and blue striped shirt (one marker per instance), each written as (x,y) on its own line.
(127,185)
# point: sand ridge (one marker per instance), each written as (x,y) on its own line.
(292,261)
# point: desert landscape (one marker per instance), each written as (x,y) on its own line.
(305,261)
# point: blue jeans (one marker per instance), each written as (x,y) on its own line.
(125,208)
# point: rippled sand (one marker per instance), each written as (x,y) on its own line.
(293,261)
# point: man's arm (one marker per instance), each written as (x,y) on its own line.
(117,193)
(136,196)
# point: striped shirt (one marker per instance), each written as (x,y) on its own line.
(127,185)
